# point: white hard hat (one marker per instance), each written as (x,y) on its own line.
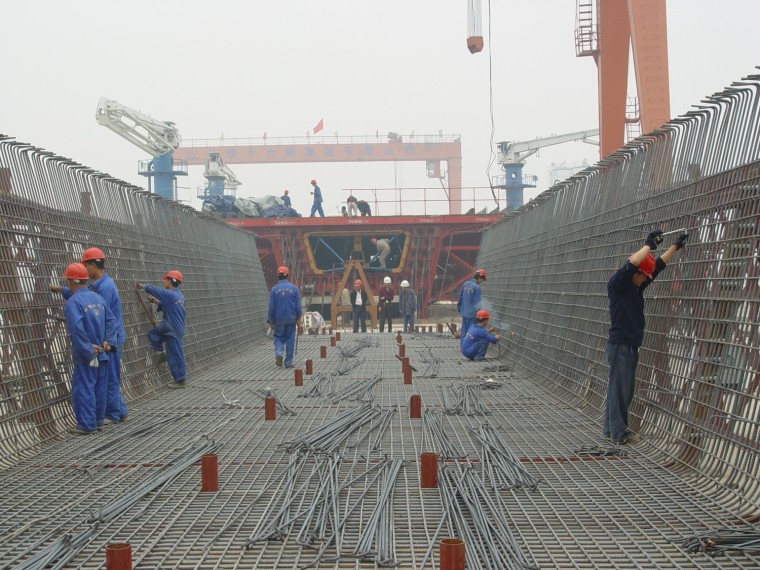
(405,283)
(386,280)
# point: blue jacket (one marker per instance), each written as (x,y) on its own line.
(317,195)
(89,322)
(285,200)
(172,304)
(106,288)
(407,301)
(627,304)
(468,302)
(475,334)
(284,304)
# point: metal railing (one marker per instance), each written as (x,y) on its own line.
(51,209)
(698,385)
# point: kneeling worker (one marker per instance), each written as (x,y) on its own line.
(475,342)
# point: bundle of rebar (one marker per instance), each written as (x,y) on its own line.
(378,428)
(357,391)
(501,468)
(346,365)
(358,346)
(317,385)
(465,400)
(432,363)
(438,439)
(723,540)
(330,436)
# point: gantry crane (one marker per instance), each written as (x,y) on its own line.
(221,179)
(512,157)
(158,138)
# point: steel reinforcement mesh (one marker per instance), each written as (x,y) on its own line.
(697,400)
(51,209)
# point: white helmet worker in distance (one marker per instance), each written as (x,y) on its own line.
(387,280)
(404,283)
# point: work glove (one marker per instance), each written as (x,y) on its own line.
(681,241)
(654,239)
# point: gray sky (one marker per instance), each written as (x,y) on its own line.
(244,67)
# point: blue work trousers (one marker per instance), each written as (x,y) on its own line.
(409,323)
(360,316)
(116,407)
(317,208)
(466,324)
(284,342)
(88,394)
(478,350)
(621,387)
(175,356)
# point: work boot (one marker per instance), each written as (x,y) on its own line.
(159,358)
(278,360)
(176,385)
(109,421)
(77,431)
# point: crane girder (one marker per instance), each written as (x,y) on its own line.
(517,152)
(215,167)
(151,135)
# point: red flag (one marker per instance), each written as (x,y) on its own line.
(320,126)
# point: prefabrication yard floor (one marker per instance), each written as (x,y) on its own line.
(589,510)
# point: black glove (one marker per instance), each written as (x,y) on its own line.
(681,241)
(653,239)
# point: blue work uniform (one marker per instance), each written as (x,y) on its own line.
(407,306)
(283,312)
(317,205)
(475,342)
(468,304)
(285,200)
(626,333)
(170,330)
(89,322)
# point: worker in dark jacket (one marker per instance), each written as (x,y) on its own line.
(478,337)
(92,328)
(359,302)
(625,291)
(407,305)
(284,315)
(286,199)
(384,307)
(468,302)
(364,208)
(169,332)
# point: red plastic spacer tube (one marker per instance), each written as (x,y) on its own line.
(118,556)
(323,351)
(209,473)
(309,367)
(452,554)
(299,377)
(407,370)
(428,470)
(332,341)
(270,409)
(337,336)
(415,406)
(402,350)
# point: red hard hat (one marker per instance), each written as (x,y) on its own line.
(482,314)
(93,253)
(173,274)
(76,271)
(313,181)
(373,240)
(283,270)
(647,265)
(358,283)
(481,272)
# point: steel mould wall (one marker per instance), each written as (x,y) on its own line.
(699,369)
(51,209)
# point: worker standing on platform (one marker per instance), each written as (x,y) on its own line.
(359,303)
(169,332)
(286,199)
(94,261)
(407,305)
(625,290)
(383,249)
(384,307)
(284,315)
(353,209)
(92,328)
(364,208)
(316,207)
(468,302)
(478,337)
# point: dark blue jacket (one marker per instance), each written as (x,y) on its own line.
(89,322)
(468,301)
(475,334)
(172,304)
(317,195)
(627,304)
(106,288)
(285,200)
(284,304)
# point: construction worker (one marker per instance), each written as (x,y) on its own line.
(625,290)
(316,207)
(284,315)
(286,199)
(364,208)
(353,209)
(94,261)
(92,328)
(169,332)
(407,305)
(384,300)
(475,342)
(359,303)
(383,249)
(468,302)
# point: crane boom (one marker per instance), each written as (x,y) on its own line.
(153,136)
(517,152)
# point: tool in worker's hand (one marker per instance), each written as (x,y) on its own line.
(681,231)
(145,308)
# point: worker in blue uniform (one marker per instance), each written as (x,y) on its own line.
(94,260)
(625,291)
(468,302)
(286,199)
(316,207)
(92,328)
(284,315)
(169,332)
(475,342)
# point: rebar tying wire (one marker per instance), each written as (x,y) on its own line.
(723,540)
(269,393)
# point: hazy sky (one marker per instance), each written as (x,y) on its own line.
(244,67)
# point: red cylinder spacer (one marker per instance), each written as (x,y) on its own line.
(452,554)
(453,327)
(439,328)
(337,336)
(323,351)
(404,362)
(402,350)
(299,377)
(209,473)
(407,371)
(332,341)
(415,406)
(398,337)
(309,367)
(118,556)
(270,408)
(330,330)
(428,470)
